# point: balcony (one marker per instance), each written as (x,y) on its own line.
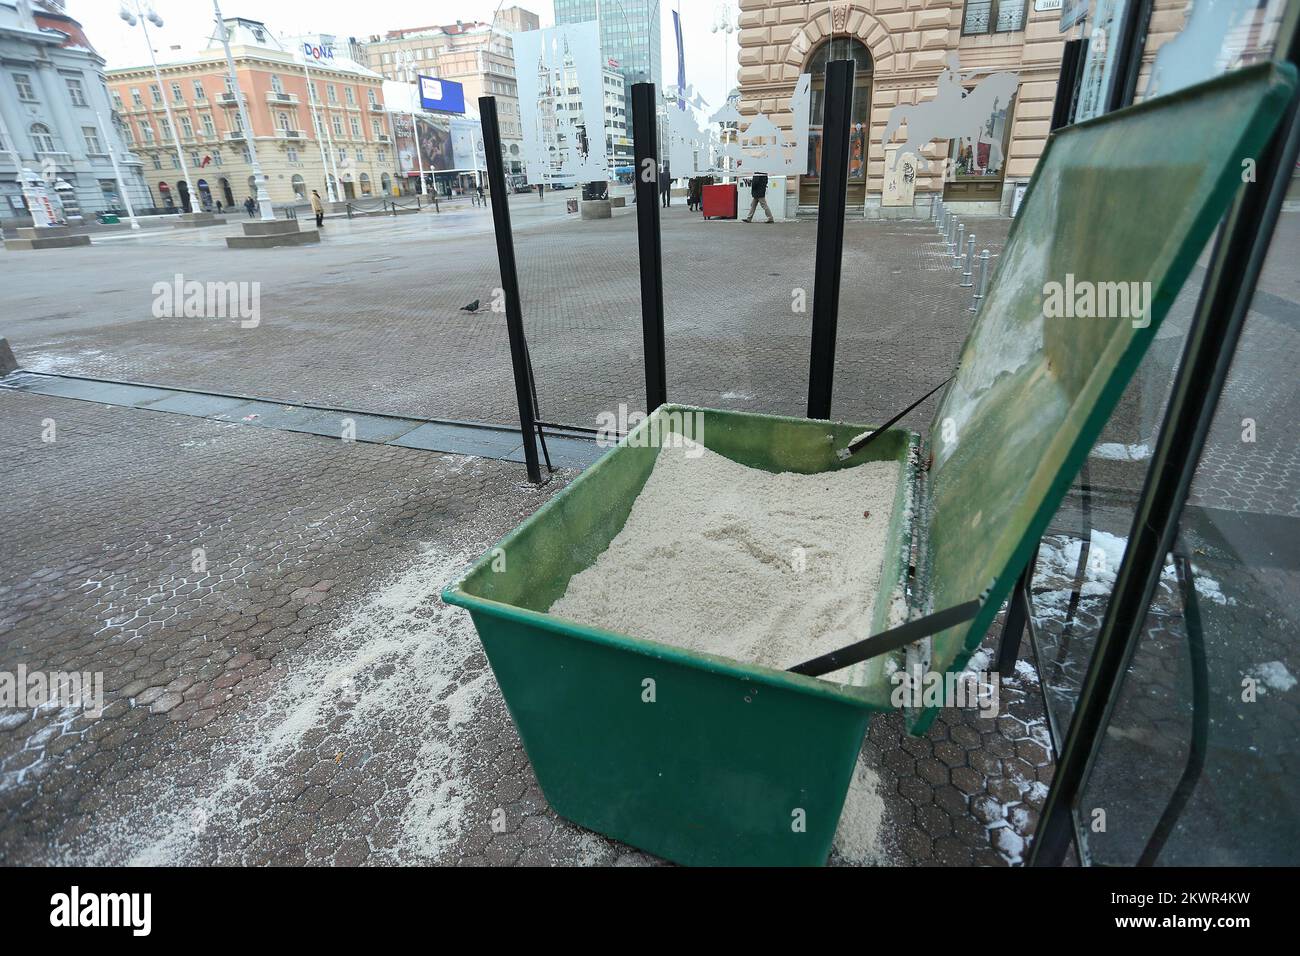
(383,138)
(282,99)
(227,99)
(376,107)
(290,134)
(235,136)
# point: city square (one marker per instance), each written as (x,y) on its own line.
(252,462)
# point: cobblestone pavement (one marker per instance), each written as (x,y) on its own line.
(294,691)
(283,685)
(370,318)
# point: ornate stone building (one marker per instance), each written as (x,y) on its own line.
(333,133)
(902,49)
(55,115)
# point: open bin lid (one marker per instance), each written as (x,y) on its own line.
(1131,197)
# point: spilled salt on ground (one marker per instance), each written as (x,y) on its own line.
(764,568)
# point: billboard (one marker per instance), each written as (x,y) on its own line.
(441,96)
(446,144)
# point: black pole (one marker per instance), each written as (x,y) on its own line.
(645,147)
(1132,40)
(833,191)
(487,107)
(1234,269)
(1063,106)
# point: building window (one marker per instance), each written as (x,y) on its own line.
(993,16)
(24,84)
(361,155)
(187,126)
(128,135)
(374,125)
(177,95)
(209,128)
(332,93)
(284,121)
(292,154)
(371,95)
(117,102)
(76,92)
(156,95)
(350,95)
(338,126)
(356,128)
(195,160)
(216,158)
(165,125)
(146,131)
(135,97)
(276,85)
(41,138)
(383,156)
(93,145)
(199,94)
(157,161)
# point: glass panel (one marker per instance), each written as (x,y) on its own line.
(1089,533)
(1222,659)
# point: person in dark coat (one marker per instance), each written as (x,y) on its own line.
(758,193)
(666,185)
(695,194)
(249,206)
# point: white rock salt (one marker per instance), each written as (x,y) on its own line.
(764,568)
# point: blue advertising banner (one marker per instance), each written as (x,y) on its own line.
(441,96)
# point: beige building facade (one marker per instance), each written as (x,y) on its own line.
(479,56)
(903,49)
(333,133)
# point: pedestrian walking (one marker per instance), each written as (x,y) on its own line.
(666,185)
(318,208)
(695,194)
(481,200)
(758,190)
(219,209)
(249,206)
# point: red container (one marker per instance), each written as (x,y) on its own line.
(720,201)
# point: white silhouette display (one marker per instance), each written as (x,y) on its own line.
(564,139)
(953,114)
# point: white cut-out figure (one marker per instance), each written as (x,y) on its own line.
(952,114)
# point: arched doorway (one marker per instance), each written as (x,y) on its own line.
(839,48)
(227,192)
(386,183)
(165,192)
(364,180)
(205,194)
(299,187)
(183,188)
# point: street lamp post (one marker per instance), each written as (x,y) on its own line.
(259,178)
(140,17)
(117,172)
